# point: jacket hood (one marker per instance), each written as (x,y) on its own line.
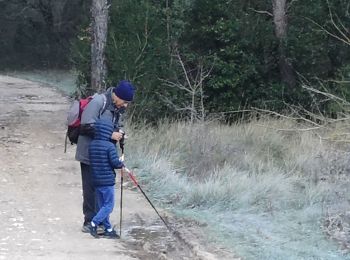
(103,129)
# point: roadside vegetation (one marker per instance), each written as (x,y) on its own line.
(266,189)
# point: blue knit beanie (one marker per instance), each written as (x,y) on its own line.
(125,90)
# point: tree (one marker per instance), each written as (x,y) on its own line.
(99,27)
(281,25)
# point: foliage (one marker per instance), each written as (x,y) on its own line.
(242,41)
(234,40)
(137,50)
(243,46)
(37,33)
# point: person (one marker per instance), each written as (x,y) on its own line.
(103,160)
(109,106)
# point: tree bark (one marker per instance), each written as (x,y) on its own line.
(99,28)
(281,25)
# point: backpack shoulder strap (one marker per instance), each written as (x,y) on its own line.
(104,107)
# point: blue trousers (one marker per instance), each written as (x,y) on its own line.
(105,204)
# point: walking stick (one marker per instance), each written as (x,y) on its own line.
(121,201)
(175,233)
(121,144)
(132,177)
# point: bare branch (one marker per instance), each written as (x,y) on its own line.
(177,85)
(190,81)
(338,81)
(341,24)
(335,25)
(203,75)
(290,129)
(172,104)
(234,111)
(294,109)
(329,95)
(291,3)
(184,70)
(262,12)
(145,43)
(328,32)
(287,117)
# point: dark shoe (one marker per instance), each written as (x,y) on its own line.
(93,231)
(86,228)
(111,234)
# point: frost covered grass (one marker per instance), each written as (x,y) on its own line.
(62,80)
(265,193)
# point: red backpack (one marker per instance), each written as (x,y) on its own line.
(74,118)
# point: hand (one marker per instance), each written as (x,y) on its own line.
(116,136)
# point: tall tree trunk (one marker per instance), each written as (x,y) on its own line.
(99,28)
(281,24)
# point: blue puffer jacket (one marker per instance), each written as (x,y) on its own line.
(103,154)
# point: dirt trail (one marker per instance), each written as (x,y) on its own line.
(40,192)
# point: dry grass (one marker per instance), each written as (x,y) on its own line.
(337,227)
(266,175)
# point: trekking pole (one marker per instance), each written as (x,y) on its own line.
(175,233)
(121,190)
(132,177)
(121,201)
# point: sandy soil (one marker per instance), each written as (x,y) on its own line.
(40,192)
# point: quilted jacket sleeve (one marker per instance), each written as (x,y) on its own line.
(113,158)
